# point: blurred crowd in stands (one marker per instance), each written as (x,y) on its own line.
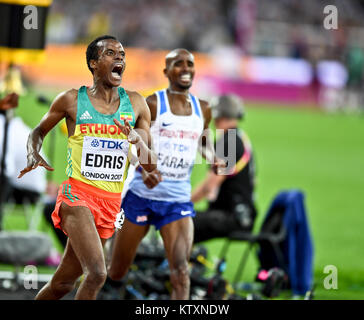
(281,28)
(259,27)
(155,24)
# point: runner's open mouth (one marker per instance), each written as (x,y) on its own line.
(116,71)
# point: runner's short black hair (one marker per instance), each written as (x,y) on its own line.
(92,52)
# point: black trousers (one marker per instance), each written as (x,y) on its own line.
(5,190)
(212,224)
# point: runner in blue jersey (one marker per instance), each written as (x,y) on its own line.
(163,197)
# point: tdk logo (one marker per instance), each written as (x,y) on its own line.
(95,143)
(108,144)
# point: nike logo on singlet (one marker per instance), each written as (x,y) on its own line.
(166,124)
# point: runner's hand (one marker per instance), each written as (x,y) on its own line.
(151,179)
(133,136)
(35,160)
(219,166)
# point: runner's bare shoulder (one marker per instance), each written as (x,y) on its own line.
(152,104)
(66,101)
(135,97)
(137,101)
(206,110)
(152,99)
(204,105)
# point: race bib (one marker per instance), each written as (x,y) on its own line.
(104,158)
(175,159)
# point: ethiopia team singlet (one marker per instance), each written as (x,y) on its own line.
(97,153)
(175,140)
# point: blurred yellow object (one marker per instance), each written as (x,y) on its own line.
(205,262)
(22,56)
(99,23)
(12,82)
(39,3)
(148,92)
(229,289)
(63,127)
(23,24)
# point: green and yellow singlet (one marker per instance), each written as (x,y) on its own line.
(98,150)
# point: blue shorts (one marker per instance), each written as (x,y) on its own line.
(143,211)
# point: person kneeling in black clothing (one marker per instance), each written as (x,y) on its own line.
(231,195)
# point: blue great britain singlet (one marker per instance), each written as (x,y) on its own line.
(175,141)
(97,152)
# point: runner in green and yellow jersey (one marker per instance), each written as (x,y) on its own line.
(102,121)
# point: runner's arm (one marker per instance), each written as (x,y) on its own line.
(57,111)
(206,147)
(140,135)
(153,178)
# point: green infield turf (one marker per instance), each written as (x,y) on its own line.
(318,153)
(322,155)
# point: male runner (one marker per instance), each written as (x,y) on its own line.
(163,197)
(97,162)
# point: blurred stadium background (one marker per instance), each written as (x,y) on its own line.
(301,85)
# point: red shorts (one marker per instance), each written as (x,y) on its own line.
(103,205)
